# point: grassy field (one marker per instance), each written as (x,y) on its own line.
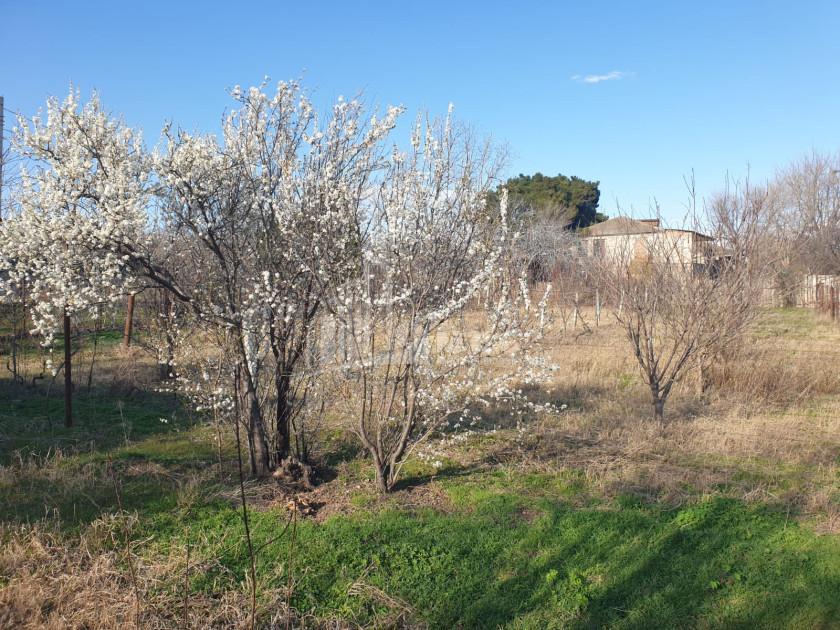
(724,515)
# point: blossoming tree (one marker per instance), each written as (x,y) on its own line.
(437,315)
(292,225)
(264,212)
(83,190)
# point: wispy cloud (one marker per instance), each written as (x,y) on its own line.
(597,78)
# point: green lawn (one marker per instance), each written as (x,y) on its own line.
(512,549)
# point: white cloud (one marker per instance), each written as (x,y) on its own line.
(597,78)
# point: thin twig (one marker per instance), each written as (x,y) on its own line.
(127,545)
(276,538)
(186,589)
(216,422)
(245,506)
(291,561)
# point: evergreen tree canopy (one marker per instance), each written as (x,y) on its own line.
(556,197)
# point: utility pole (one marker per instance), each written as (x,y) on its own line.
(2,155)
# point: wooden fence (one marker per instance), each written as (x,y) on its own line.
(813,291)
(827,294)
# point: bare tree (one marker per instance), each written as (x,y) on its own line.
(546,245)
(684,298)
(806,219)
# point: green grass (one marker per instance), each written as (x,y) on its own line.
(32,424)
(510,559)
(790,323)
(50,470)
(30,347)
(510,548)
(517,550)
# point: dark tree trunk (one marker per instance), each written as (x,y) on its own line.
(252,458)
(129,321)
(257,443)
(381,475)
(247,379)
(68,374)
(260,461)
(658,408)
(282,438)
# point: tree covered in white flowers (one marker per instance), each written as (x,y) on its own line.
(264,212)
(437,299)
(305,243)
(83,190)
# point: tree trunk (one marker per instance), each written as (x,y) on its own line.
(248,376)
(702,378)
(282,438)
(257,444)
(658,408)
(129,321)
(165,369)
(381,476)
(68,374)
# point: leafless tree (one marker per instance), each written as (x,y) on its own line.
(808,212)
(684,299)
(546,245)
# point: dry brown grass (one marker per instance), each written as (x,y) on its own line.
(54,581)
(767,430)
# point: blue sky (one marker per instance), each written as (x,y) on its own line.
(709,87)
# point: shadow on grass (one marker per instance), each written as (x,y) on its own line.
(49,471)
(31,423)
(717,564)
(445,473)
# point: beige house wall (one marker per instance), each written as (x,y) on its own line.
(675,246)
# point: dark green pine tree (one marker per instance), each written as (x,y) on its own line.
(552,197)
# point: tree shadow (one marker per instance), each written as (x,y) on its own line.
(708,566)
(58,473)
(711,568)
(444,473)
(33,424)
